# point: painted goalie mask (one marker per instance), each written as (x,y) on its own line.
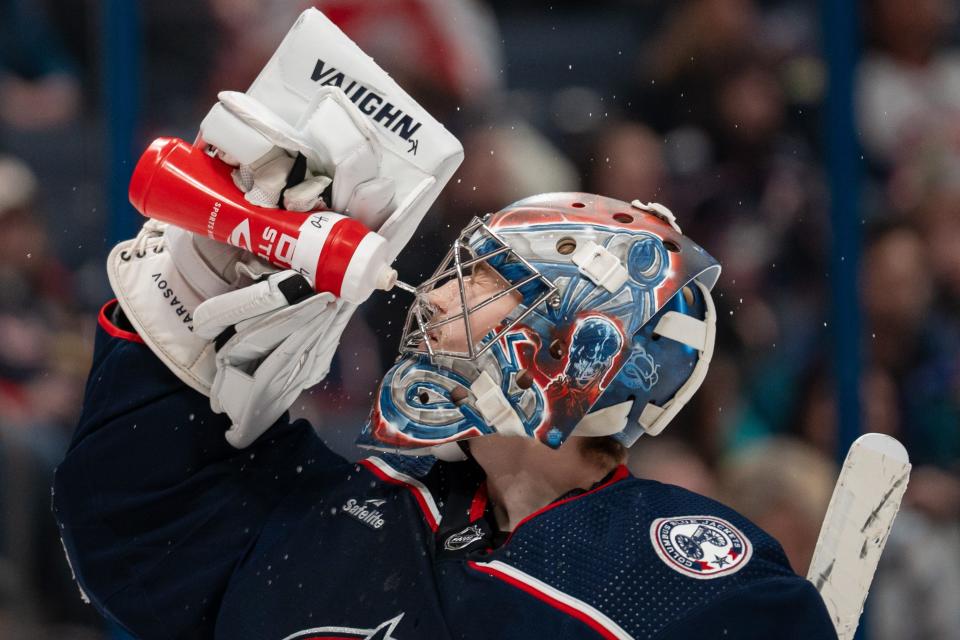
(610,333)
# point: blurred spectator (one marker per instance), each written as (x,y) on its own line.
(909,85)
(503,163)
(628,163)
(441,52)
(917,346)
(31,276)
(38,86)
(43,363)
(248,34)
(697,37)
(897,290)
(672,461)
(815,410)
(784,486)
(938,218)
(914,593)
(917,342)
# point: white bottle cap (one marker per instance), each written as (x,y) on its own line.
(368,270)
(387,278)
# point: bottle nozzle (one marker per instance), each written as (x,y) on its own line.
(400,284)
(386,279)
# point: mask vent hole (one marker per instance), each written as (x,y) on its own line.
(523,379)
(623,218)
(671,246)
(578,205)
(566,246)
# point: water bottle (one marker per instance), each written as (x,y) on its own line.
(183,185)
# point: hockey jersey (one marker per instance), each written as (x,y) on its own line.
(172,533)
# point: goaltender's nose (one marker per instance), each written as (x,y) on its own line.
(445,297)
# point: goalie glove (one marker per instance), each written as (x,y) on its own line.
(161,277)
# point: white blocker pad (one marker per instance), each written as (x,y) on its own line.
(418,153)
(322,95)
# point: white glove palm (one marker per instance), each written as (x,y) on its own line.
(270,347)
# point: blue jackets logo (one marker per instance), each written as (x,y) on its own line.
(702,547)
(366,511)
(383,631)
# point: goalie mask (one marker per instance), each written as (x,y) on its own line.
(600,323)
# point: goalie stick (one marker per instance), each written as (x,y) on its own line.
(865,502)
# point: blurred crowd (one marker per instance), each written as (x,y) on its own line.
(713,107)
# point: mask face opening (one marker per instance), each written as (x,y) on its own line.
(480,275)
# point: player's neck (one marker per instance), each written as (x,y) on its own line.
(524,476)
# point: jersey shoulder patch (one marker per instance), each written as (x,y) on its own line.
(700,538)
(608,548)
(700,546)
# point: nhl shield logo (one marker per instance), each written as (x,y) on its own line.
(702,547)
(463,539)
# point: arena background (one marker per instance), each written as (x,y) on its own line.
(813,148)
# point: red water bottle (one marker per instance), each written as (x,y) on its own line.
(181,184)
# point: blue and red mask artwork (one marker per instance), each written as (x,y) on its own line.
(586,274)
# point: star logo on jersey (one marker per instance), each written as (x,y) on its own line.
(383,631)
(702,547)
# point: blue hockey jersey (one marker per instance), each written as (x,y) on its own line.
(174,534)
